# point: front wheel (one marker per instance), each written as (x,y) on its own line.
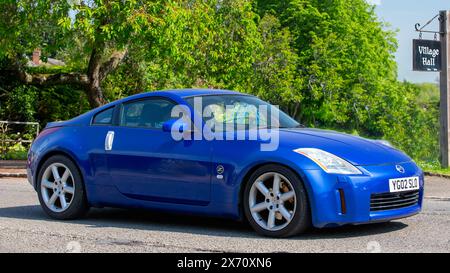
(60,189)
(276,203)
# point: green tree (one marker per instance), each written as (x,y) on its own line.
(205,44)
(103,31)
(276,77)
(345,58)
(329,63)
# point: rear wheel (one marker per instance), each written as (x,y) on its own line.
(276,203)
(60,189)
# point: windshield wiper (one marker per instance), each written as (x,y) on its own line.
(298,126)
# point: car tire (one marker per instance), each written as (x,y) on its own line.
(71,189)
(259,206)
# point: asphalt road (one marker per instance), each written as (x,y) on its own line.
(25,228)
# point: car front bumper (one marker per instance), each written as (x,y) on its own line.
(345,199)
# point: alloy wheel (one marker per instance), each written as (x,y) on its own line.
(57,187)
(272,201)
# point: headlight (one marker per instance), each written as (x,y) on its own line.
(328,162)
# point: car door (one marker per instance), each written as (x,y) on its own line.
(146,163)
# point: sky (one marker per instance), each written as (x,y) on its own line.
(402,15)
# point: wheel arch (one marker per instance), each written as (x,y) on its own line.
(252,169)
(52,153)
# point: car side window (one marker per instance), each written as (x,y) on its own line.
(149,113)
(104,117)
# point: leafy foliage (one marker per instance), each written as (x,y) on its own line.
(15,152)
(27,103)
(20,104)
(329,64)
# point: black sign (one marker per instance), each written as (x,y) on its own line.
(426,55)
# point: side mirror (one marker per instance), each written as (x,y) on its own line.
(175,124)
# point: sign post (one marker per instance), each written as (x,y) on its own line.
(444,79)
(426,55)
(433,55)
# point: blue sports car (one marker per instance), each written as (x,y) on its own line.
(253,162)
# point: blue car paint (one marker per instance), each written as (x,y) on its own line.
(180,176)
(143,157)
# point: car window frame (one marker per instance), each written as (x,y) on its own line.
(121,108)
(101,111)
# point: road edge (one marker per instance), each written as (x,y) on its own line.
(437,174)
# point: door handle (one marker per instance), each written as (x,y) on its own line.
(109,140)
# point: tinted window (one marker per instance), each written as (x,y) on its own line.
(104,117)
(150,113)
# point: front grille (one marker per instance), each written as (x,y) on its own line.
(387,201)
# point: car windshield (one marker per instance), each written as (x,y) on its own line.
(242,111)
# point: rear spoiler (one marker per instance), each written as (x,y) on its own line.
(71,122)
(81,120)
(55,124)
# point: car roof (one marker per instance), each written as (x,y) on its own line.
(200,92)
(180,93)
(175,94)
(170,93)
